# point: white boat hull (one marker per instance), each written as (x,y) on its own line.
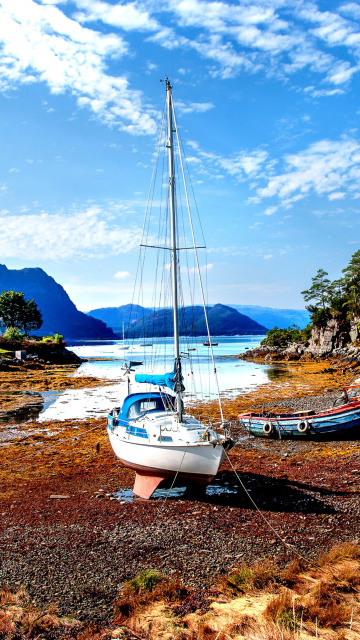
(199,460)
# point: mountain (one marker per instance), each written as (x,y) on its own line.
(58,311)
(227,321)
(114,317)
(141,322)
(281,318)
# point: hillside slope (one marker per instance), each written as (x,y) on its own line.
(142,322)
(58,311)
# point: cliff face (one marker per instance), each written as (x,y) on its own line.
(58,311)
(334,335)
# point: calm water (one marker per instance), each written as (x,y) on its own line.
(106,360)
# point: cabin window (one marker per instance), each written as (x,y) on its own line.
(148,405)
(143,406)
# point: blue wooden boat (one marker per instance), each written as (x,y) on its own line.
(307,424)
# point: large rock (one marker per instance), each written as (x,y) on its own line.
(334,335)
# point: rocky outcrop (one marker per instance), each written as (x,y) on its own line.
(37,353)
(334,335)
(300,351)
(339,338)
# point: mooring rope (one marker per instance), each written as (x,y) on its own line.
(282,540)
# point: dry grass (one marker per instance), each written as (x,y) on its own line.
(10,596)
(149,586)
(20,619)
(290,575)
(283,609)
(259,576)
(326,605)
(339,552)
(322,600)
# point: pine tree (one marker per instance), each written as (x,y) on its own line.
(319,290)
(352,277)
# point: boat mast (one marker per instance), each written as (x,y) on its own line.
(178,388)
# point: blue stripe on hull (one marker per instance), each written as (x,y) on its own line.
(317,425)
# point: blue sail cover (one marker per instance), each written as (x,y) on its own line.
(162,380)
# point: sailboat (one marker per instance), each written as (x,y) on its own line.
(151,432)
(123,346)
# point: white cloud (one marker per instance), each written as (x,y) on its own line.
(40,43)
(279,37)
(241,165)
(337,195)
(82,234)
(351,9)
(268,256)
(122,275)
(270,210)
(193,107)
(327,167)
(127,16)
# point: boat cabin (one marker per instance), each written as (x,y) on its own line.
(138,404)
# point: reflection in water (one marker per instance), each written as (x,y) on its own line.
(27,405)
(278,372)
(213,489)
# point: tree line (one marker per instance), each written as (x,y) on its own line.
(327,298)
(339,296)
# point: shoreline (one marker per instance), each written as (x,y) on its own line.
(77,551)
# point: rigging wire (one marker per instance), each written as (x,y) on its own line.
(199,273)
(282,540)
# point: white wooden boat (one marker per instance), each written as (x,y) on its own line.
(151,432)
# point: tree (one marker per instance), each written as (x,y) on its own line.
(18,312)
(352,277)
(319,290)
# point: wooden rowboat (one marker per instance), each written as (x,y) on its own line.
(342,417)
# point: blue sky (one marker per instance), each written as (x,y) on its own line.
(267,98)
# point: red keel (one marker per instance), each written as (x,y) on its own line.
(145,485)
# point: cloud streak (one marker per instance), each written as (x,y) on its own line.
(71,53)
(81,235)
(39,43)
(326,168)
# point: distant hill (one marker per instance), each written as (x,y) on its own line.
(281,318)
(142,322)
(58,311)
(115,316)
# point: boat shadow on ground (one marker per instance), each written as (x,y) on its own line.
(263,492)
